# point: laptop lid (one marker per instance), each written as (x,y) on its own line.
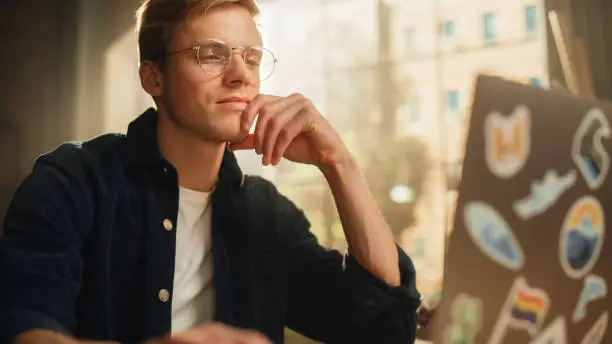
(528,260)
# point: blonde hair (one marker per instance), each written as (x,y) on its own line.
(156,20)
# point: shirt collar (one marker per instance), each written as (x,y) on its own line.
(142,148)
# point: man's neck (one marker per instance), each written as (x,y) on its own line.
(196,161)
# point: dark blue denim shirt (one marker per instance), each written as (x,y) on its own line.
(85,253)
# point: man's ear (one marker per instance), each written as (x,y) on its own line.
(151,78)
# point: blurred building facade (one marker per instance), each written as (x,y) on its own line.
(442,46)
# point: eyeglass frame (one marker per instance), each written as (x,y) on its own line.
(196,50)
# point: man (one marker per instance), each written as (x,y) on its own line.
(157,236)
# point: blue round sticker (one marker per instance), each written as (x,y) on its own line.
(582,237)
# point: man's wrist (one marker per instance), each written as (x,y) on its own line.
(339,166)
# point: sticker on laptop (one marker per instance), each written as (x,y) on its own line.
(524,309)
(492,234)
(507,141)
(596,333)
(582,237)
(587,149)
(555,333)
(544,193)
(595,288)
(466,320)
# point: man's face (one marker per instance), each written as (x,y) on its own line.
(211,106)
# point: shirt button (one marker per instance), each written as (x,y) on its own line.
(163,295)
(167,224)
(165,171)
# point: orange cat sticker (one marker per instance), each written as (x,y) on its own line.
(507,141)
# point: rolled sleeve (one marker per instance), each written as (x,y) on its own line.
(405,294)
(388,311)
(333,299)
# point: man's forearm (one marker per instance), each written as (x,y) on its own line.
(50,337)
(368,234)
(43,336)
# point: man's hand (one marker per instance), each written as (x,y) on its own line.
(204,334)
(50,337)
(290,127)
(425,315)
(214,334)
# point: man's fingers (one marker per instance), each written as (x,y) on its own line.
(266,113)
(289,132)
(248,116)
(260,129)
(266,107)
(219,334)
(277,125)
(252,337)
(207,333)
(276,121)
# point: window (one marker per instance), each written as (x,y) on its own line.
(531,21)
(535,82)
(409,39)
(418,248)
(411,110)
(413,107)
(452,100)
(447,29)
(489,28)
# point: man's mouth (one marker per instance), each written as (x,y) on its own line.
(234,100)
(234,103)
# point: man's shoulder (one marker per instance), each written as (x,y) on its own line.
(104,144)
(258,184)
(264,199)
(261,192)
(94,163)
(70,175)
(90,152)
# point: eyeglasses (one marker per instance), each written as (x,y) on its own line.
(214,56)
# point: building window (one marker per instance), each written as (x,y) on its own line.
(531,20)
(535,82)
(452,100)
(409,39)
(411,110)
(418,248)
(414,108)
(447,29)
(489,28)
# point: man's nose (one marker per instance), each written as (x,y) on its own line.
(237,72)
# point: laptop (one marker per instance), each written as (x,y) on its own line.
(529,260)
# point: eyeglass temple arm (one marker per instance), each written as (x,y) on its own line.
(186,50)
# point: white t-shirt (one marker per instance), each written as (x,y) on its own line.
(193,298)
